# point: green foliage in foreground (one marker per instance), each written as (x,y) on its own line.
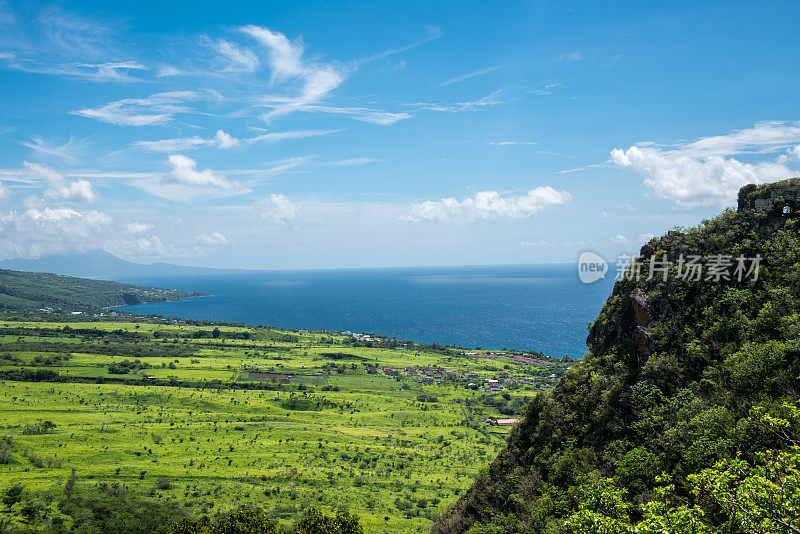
(247,521)
(762,496)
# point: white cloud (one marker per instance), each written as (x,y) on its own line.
(434,32)
(473,74)
(157,109)
(274,137)
(211,240)
(114,71)
(184,172)
(350,162)
(145,246)
(237,59)
(373,116)
(540,243)
(547,89)
(286,60)
(61,188)
(279,208)
(703,173)
(48,230)
(692,181)
(510,143)
(572,57)
(487,205)
(644,238)
(138,227)
(45,147)
(221,140)
(165,71)
(762,138)
(485,102)
(178,144)
(620,239)
(184,182)
(224,140)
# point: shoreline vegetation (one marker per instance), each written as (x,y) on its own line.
(46,293)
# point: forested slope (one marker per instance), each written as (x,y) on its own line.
(23,291)
(674,370)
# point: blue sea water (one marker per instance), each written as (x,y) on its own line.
(532,307)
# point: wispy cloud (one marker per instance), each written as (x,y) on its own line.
(236,58)
(157,109)
(316,79)
(350,162)
(61,43)
(179,144)
(570,57)
(434,32)
(115,71)
(485,102)
(68,151)
(214,239)
(275,137)
(473,74)
(547,89)
(512,143)
(224,140)
(373,116)
(539,243)
(279,208)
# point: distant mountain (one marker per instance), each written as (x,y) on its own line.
(29,292)
(97,264)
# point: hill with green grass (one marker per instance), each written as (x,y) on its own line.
(677,417)
(32,292)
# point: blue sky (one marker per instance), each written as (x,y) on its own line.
(282,135)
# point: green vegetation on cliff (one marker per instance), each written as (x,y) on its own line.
(661,406)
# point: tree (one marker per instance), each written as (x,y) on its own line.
(762,496)
(254,521)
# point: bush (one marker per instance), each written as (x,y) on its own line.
(13,495)
(40,427)
(255,521)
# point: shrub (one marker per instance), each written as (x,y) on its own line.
(40,427)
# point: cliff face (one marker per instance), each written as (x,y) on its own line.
(674,367)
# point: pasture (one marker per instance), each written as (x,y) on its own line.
(205,419)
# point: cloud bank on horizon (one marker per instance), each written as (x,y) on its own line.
(347,139)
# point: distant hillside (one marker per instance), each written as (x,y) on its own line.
(675,369)
(97,264)
(23,291)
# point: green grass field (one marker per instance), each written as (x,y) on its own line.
(180,426)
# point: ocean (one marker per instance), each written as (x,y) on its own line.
(530,307)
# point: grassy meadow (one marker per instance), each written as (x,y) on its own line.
(203,419)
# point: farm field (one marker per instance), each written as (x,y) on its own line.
(204,419)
